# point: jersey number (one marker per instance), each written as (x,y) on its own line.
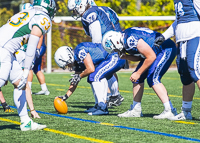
(23,16)
(179,9)
(44,22)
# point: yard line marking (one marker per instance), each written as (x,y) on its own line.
(183,122)
(124,91)
(117,126)
(62,133)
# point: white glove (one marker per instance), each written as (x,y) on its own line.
(75,79)
(37,53)
(23,80)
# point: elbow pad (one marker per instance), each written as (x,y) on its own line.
(30,52)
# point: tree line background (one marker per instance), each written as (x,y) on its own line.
(72,33)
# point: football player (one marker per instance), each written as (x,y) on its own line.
(137,44)
(186,30)
(92,61)
(25,26)
(96,22)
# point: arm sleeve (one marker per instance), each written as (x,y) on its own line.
(30,52)
(197,6)
(170,31)
(95,32)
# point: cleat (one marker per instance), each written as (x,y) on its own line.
(115,101)
(7,109)
(101,110)
(30,125)
(42,92)
(166,114)
(91,109)
(132,112)
(184,115)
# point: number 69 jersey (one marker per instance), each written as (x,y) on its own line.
(16,31)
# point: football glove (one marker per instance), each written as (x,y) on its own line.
(23,80)
(159,40)
(63,97)
(75,79)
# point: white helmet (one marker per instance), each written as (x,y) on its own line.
(112,40)
(77,6)
(64,56)
(27,6)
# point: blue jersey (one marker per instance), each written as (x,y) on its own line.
(185,11)
(113,17)
(132,35)
(96,51)
(93,14)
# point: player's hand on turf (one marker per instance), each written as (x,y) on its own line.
(63,98)
(159,40)
(75,79)
(34,114)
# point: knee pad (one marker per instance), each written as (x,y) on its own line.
(186,79)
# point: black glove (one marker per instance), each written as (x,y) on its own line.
(75,79)
(159,40)
(63,97)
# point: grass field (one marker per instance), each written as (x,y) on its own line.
(78,127)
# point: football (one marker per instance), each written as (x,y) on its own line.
(60,106)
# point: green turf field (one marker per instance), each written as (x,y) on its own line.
(78,127)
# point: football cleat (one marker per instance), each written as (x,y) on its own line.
(115,101)
(30,125)
(91,109)
(101,110)
(42,92)
(7,109)
(132,112)
(184,115)
(166,114)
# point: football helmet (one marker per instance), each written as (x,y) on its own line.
(48,6)
(64,56)
(27,6)
(112,41)
(78,7)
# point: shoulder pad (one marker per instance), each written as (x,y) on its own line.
(43,21)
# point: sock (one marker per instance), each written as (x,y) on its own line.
(20,101)
(29,84)
(100,89)
(137,104)
(44,87)
(171,104)
(113,86)
(24,118)
(167,105)
(95,96)
(187,104)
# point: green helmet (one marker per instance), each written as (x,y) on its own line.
(48,6)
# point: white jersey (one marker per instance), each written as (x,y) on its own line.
(16,31)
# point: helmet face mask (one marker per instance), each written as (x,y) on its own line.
(48,6)
(112,42)
(64,56)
